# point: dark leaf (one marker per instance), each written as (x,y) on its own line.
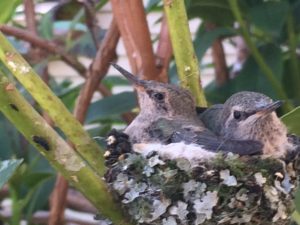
(269,16)
(110,106)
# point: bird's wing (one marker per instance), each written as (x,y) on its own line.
(217,144)
(211,118)
(162,130)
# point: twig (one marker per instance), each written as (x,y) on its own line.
(131,19)
(56,150)
(55,49)
(258,57)
(45,45)
(58,201)
(185,57)
(164,51)
(90,19)
(218,55)
(30,16)
(97,70)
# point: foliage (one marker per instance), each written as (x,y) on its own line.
(7,168)
(273,27)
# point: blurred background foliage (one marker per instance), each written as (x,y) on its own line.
(274,28)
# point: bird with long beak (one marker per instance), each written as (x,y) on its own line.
(167,115)
(249,116)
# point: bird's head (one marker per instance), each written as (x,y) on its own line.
(160,98)
(246,112)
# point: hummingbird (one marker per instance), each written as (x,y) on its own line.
(167,115)
(249,116)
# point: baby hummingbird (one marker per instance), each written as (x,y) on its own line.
(167,115)
(249,116)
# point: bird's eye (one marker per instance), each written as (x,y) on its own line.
(237,115)
(159,96)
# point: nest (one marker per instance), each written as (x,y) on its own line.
(226,190)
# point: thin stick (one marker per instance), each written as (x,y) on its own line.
(185,57)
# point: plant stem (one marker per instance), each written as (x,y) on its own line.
(258,57)
(292,40)
(61,156)
(185,57)
(83,143)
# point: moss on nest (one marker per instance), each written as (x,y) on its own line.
(226,190)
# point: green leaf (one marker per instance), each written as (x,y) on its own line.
(8,9)
(297,200)
(7,168)
(291,121)
(251,78)
(45,26)
(204,39)
(9,139)
(269,16)
(214,11)
(111,106)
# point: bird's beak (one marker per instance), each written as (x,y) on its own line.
(138,83)
(269,108)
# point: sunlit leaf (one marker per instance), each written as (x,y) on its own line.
(291,121)
(8,9)
(7,168)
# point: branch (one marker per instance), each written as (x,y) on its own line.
(97,70)
(164,51)
(61,156)
(45,45)
(60,115)
(58,201)
(258,57)
(131,20)
(218,55)
(30,16)
(185,57)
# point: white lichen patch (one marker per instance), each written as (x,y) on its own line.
(12,65)
(169,221)
(272,195)
(180,210)
(227,178)
(204,206)
(20,68)
(281,213)
(64,155)
(260,179)
(187,69)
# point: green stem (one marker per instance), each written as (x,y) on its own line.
(61,156)
(292,40)
(296,217)
(185,57)
(16,213)
(84,144)
(258,57)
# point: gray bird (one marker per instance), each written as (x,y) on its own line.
(168,115)
(249,116)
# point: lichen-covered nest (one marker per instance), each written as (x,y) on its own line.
(226,190)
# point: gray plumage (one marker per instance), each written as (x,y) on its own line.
(167,115)
(249,116)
